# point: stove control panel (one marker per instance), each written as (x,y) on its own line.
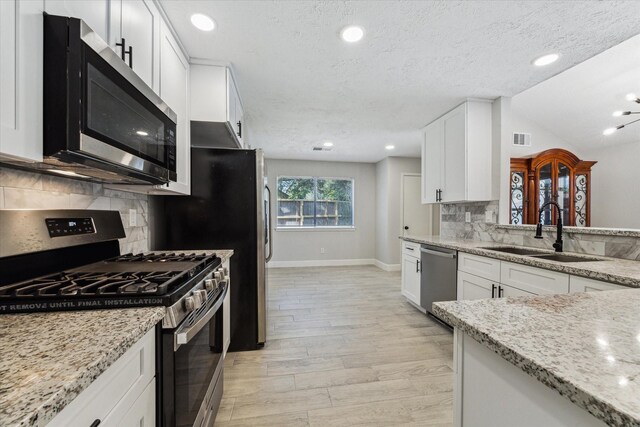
(59,227)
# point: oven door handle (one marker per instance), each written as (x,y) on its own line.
(183,336)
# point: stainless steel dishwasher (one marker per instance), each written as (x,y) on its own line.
(438,276)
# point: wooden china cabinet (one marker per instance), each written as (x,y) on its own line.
(557,175)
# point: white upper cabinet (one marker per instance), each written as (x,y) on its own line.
(139,27)
(215,98)
(21,80)
(96,13)
(456,155)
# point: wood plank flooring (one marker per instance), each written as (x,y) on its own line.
(344,348)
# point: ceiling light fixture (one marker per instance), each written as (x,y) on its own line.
(389,147)
(142,133)
(328,144)
(630,97)
(352,33)
(202,22)
(546,60)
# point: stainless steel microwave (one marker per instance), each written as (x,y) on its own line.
(101,120)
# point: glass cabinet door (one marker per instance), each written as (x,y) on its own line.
(563,192)
(545,193)
(517,197)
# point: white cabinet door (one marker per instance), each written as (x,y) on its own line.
(505,291)
(240,122)
(234,108)
(532,279)
(174,90)
(143,411)
(21,34)
(411,278)
(582,284)
(95,13)
(454,131)
(140,24)
(473,287)
(432,162)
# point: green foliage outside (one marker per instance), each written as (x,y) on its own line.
(303,189)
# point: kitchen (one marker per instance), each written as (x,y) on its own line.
(237,177)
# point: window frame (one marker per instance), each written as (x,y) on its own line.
(314,228)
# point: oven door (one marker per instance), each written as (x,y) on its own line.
(192,362)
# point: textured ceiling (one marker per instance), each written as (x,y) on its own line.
(301,85)
(577,104)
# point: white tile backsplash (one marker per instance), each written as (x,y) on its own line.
(27,190)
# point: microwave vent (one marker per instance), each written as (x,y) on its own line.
(521,139)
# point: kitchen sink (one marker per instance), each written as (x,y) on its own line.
(517,251)
(565,258)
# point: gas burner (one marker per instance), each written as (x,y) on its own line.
(92,284)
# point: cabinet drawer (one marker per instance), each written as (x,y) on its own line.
(534,280)
(410,248)
(487,268)
(126,379)
(582,284)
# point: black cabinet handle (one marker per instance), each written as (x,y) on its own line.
(417,266)
(437,200)
(240,129)
(121,45)
(500,292)
(95,423)
(130,53)
(493,290)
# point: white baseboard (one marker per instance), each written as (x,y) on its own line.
(320,263)
(333,263)
(387,267)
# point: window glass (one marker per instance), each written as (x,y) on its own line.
(315,202)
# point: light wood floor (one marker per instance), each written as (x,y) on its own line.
(343,348)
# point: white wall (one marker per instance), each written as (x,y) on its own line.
(388,200)
(615,198)
(541,138)
(302,247)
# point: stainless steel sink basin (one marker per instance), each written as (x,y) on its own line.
(516,251)
(565,258)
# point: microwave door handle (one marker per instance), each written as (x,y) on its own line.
(270,238)
(183,336)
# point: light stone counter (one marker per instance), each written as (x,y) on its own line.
(586,346)
(614,270)
(48,359)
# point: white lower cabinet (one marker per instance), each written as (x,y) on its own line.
(123,395)
(582,284)
(411,278)
(482,277)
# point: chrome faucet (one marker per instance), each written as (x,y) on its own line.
(558,244)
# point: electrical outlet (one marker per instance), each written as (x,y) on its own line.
(321,250)
(467,216)
(488,216)
(133,216)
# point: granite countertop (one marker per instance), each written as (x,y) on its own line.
(585,346)
(614,270)
(47,359)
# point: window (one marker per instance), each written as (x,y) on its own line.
(314,202)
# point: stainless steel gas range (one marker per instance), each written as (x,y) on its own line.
(54,260)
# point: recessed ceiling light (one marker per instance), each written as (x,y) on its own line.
(142,133)
(389,147)
(352,34)
(328,144)
(617,113)
(632,97)
(202,22)
(546,60)
(609,131)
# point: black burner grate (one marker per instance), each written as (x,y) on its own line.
(164,257)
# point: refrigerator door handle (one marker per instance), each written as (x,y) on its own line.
(269,237)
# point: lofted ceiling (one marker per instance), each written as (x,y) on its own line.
(577,105)
(301,85)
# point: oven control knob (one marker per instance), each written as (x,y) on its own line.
(218,275)
(211,284)
(203,296)
(226,271)
(189,303)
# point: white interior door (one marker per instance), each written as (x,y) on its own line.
(416,217)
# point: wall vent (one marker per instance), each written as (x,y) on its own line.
(522,139)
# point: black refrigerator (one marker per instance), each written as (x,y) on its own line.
(228,209)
